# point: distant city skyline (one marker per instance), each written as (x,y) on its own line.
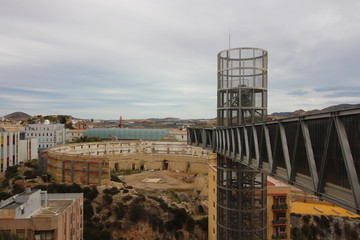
(157,59)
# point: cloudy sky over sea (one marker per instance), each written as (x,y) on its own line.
(142,59)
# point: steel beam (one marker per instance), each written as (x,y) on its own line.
(310,154)
(268,147)
(247,148)
(324,162)
(285,149)
(256,146)
(348,160)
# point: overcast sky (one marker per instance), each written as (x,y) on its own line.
(142,59)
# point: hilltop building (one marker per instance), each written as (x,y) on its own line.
(80,124)
(35,214)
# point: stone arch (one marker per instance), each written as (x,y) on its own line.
(165,165)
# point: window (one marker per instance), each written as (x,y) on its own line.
(31,134)
(39,139)
(214,178)
(213,204)
(35,134)
(280,216)
(280,200)
(47,134)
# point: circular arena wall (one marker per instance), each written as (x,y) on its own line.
(90,163)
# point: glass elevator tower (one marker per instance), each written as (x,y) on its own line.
(241,100)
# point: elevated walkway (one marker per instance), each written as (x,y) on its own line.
(317,153)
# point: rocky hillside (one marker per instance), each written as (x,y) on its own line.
(17,116)
(324,227)
(118,211)
(122,213)
(64,119)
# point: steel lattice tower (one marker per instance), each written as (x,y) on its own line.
(241,99)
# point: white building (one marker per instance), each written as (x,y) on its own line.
(14,148)
(48,135)
(8,148)
(28,149)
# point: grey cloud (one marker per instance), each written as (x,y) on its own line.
(165,51)
(298,92)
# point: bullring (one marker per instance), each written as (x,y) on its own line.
(90,163)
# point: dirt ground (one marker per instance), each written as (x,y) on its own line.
(166,179)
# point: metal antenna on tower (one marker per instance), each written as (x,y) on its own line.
(229,37)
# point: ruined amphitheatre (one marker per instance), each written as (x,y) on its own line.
(91,163)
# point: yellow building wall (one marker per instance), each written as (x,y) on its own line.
(272,192)
(212,202)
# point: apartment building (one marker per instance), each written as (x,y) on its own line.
(14,148)
(8,148)
(278,209)
(48,135)
(35,214)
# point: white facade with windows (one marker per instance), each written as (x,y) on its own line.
(48,135)
(14,148)
(8,148)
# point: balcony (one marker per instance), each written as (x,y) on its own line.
(282,221)
(279,206)
(279,236)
